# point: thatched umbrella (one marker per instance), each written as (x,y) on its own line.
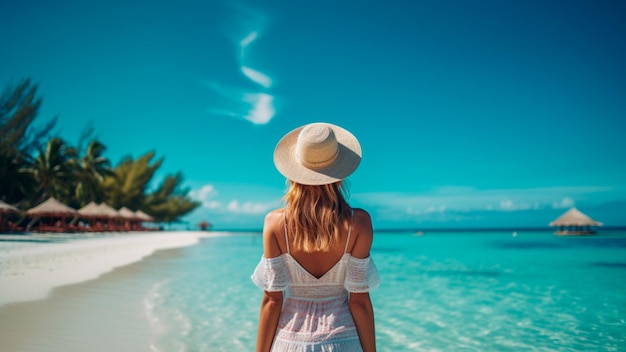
(109,213)
(52,208)
(127,213)
(143,216)
(129,217)
(91,210)
(204,225)
(6,209)
(574,222)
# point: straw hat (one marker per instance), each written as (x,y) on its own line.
(317,154)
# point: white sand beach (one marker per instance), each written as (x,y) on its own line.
(29,270)
(50,302)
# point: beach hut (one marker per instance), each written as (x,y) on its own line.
(127,213)
(92,213)
(6,209)
(143,216)
(110,213)
(52,208)
(574,223)
(130,218)
(204,225)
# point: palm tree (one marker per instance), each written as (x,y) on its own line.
(90,171)
(169,201)
(16,183)
(19,106)
(128,185)
(53,170)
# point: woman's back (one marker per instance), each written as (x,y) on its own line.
(317,262)
(315,310)
(315,271)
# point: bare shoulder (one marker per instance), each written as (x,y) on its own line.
(362,221)
(360,213)
(271,227)
(274,218)
(362,228)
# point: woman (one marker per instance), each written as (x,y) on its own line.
(316,272)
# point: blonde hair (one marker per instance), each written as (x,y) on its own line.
(315,215)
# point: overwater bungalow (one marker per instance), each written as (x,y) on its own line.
(574,223)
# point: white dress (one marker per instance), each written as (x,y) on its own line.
(315,315)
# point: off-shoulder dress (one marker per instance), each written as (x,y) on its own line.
(315,315)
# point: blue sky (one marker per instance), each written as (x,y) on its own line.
(470,113)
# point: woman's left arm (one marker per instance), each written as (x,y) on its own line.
(268,321)
(272,302)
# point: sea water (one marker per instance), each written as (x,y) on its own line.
(463,291)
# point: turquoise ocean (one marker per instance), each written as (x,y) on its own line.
(442,291)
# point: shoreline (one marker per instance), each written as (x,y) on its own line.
(101,315)
(30,269)
(75,293)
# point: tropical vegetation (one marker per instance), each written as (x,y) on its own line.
(36,164)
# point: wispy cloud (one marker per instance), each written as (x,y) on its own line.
(207,195)
(254,106)
(249,207)
(245,42)
(469,207)
(566,202)
(257,77)
(262,109)
(450,203)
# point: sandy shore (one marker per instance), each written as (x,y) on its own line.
(30,268)
(50,302)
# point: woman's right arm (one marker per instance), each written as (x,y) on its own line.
(360,303)
(363,315)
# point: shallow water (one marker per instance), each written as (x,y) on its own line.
(439,292)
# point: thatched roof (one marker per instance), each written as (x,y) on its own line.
(127,213)
(108,211)
(7,208)
(143,216)
(574,217)
(90,210)
(51,207)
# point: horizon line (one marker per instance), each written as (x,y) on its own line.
(449,229)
